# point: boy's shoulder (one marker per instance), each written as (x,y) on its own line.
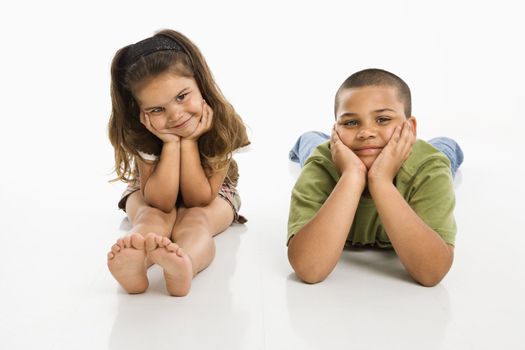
(319,170)
(322,152)
(423,156)
(321,158)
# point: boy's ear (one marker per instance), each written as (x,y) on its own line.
(413,122)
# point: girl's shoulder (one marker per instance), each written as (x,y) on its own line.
(148,156)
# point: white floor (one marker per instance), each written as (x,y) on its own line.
(279,64)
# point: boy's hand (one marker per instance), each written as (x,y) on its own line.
(345,160)
(204,123)
(164,135)
(397,150)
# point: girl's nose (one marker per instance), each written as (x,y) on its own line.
(175,112)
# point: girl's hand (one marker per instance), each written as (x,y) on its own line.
(397,150)
(204,123)
(164,135)
(345,160)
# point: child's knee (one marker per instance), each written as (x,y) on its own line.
(153,216)
(195,216)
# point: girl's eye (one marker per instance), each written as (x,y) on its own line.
(157,110)
(181,97)
(350,123)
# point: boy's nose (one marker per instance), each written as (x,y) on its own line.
(366,133)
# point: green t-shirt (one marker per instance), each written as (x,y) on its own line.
(424,181)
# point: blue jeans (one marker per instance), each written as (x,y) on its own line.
(308,141)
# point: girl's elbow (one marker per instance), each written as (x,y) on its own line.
(166,207)
(196,203)
(203,201)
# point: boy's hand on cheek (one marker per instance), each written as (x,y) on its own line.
(346,161)
(397,150)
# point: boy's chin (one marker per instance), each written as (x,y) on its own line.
(368,162)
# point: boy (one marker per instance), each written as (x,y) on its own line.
(373,184)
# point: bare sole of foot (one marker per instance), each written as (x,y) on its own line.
(127,263)
(178,270)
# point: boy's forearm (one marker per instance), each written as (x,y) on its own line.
(425,255)
(162,186)
(194,185)
(315,249)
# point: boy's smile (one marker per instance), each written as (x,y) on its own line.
(366,119)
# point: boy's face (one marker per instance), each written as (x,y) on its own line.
(366,119)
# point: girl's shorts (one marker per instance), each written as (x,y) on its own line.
(227,192)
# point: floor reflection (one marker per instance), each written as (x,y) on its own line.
(205,319)
(368,310)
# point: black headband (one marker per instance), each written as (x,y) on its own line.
(149,46)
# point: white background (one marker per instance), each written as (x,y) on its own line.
(279,63)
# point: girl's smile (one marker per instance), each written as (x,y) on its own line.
(172,102)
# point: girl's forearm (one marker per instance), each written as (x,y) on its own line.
(194,184)
(425,255)
(315,249)
(162,186)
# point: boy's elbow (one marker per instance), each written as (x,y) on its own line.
(310,277)
(431,278)
(429,281)
(307,272)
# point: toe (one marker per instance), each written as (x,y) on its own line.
(172,247)
(164,242)
(137,241)
(150,243)
(120,243)
(127,242)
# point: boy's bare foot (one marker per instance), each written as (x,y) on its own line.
(127,263)
(178,270)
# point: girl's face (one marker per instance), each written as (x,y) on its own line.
(367,118)
(172,102)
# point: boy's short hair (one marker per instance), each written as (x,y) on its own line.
(377,77)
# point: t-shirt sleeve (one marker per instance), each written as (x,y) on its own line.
(148,157)
(433,198)
(311,190)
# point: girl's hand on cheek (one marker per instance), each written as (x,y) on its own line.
(204,124)
(396,152)
(163,135)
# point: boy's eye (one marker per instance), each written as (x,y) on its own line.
(181,97)
(382,120)
(350,123)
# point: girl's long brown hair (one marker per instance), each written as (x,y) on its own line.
(128,135)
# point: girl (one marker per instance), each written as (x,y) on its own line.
(173,133)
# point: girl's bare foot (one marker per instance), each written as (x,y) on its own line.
(178,270)
(127,263)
